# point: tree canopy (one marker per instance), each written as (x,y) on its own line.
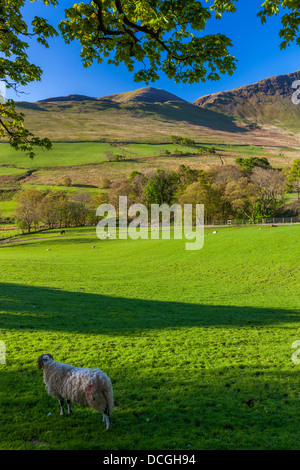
(16,69)
(156,36)
(161,36)
(290,20)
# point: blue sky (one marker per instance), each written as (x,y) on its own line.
(256,48)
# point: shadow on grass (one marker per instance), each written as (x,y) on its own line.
(41,308)
(187,112)
(220,408)
(45,240)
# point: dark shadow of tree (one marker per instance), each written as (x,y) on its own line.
(41,308)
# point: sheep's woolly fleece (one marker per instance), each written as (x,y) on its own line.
(86,387)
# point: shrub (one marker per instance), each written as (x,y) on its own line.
(104,183)
(66,181)
(185,141)
(207,151)
(113,157)
(250,163)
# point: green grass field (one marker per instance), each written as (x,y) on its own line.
(8,207)
(62,154)
(86,153)
(198,344)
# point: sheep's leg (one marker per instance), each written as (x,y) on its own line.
(61,404)
(106,418)
(69,407)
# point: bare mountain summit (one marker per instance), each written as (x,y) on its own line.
(143,95)
(268,101)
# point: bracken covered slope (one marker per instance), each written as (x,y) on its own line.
(268,101)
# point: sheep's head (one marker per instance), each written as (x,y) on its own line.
(44,359)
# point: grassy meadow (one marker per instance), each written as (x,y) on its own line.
(198,344)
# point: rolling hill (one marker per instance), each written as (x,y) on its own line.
(151,115)
(267,102)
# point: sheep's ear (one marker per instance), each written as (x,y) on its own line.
(39,362)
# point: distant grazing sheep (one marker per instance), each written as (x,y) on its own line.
(86,387)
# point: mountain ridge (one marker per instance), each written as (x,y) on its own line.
(142,95)
(260,112)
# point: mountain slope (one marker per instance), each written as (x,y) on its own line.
(268,101)
(144,115)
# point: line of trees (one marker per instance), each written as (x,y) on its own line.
(248,191)
(227,192)
(52,210)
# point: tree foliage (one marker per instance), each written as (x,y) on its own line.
(162,36)
(243,197)
(293,174)
(204,193)
(161,187)
(290,20)
(54,210)
(251,162)
(16,69)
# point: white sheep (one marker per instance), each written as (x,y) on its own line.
(86,387)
